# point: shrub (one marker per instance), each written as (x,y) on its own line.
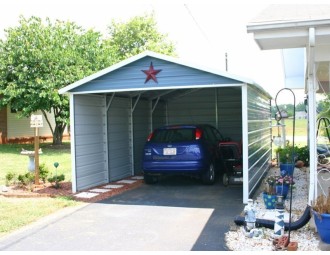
(27,179)
(303,154)
(43,172)
(10,176)
(55,180)
(285,154)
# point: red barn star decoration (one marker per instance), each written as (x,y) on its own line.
(151,73)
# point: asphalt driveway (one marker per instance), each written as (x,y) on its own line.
(176,214)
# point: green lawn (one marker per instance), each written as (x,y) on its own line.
(300,131)
(18,212)
(12,161)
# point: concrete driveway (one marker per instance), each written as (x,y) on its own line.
(176,214)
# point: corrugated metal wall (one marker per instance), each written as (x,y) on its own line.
(90,150)
(259,136)
(120,138)
(230,112)
(194,108)
(220,107)
(141,124)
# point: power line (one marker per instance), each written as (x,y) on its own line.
(197,25)
(204,34)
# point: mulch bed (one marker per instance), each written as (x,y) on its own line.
(65,189)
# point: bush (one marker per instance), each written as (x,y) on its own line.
(43,172)
(26,179)
(303,154)
(56,179)
(10,177)
(285,154)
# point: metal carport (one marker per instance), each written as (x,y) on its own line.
(113,111)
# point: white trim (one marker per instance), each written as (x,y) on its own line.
(154,55)
(245,140)
(73,146)
(272,25)
(157,88)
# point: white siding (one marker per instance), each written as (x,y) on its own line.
(21,127)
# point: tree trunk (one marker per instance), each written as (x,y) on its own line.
(58,133)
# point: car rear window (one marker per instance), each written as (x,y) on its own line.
(173,135)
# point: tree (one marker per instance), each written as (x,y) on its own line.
(137,35)
(38,58)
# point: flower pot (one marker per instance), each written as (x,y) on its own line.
(322,222)
(269,200)
(286,169)
(282,190)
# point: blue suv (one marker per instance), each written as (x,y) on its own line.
(182,149)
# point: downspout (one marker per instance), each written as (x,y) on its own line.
(311,89)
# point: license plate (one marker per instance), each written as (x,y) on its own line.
(238,179)
(169,151)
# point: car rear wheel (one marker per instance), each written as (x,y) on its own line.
(225,179)
(150,179)
(209,175)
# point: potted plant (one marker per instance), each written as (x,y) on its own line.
(269,194)
(321,212)
(287,159)
(303,155)
(282,185)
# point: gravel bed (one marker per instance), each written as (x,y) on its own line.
(307,239)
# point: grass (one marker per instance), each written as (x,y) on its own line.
(300,131)
(13,161)
(18,212)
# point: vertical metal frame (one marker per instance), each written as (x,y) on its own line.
(245,142)
(73,144)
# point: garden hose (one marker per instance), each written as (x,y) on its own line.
(302,221)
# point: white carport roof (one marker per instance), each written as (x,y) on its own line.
(306,27)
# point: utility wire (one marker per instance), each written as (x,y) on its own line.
(197,25)
(204,34)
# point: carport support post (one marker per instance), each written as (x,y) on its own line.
(245,140)
(36,156)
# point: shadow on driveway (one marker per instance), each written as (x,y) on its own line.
(176,214)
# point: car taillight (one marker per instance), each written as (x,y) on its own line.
(198,133)
(150,136)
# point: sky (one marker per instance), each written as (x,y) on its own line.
(204,31)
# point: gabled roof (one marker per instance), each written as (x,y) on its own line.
(112,69)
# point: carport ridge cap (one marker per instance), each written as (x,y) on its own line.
(132,59)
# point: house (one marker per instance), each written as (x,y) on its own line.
(303,33)
(18,130)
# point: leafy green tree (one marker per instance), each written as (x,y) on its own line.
(300,107)
(37,59)
(137,35)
